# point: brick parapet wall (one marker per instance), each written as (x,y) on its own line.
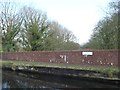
(99,57)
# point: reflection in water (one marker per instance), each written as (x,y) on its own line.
(14,80)
(20,80)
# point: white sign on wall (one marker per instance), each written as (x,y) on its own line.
(87,53)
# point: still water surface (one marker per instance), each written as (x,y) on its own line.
(12,79)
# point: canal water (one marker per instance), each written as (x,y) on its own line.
(12,79)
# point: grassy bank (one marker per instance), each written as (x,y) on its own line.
(111,71)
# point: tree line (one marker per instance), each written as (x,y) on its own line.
(106,32)
(29,29)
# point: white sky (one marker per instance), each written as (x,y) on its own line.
(79,16)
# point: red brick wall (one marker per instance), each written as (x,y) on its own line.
(99,57)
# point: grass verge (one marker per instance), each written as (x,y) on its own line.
(111,71)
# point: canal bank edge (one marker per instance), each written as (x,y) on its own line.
(82,72)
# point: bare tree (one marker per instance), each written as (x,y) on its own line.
(10,26)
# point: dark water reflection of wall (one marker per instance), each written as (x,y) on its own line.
(13,80)
(20,80)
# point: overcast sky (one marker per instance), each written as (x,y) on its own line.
(79,16)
